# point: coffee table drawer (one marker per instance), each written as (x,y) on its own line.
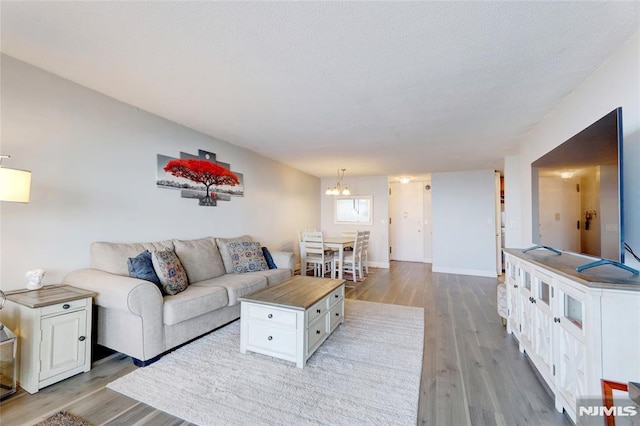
(272,340)
(317,310)
(316,333)
(272,315)
(336,296)
(336,315)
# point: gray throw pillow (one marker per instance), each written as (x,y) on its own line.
(170,271)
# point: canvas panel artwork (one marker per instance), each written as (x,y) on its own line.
(200,177)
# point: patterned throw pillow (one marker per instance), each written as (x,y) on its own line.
(247,257)
(267,256)
(141,267)
(170,271)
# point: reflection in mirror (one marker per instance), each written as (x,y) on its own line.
(353,210)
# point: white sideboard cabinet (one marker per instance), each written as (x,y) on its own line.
(576,328)
(53,325)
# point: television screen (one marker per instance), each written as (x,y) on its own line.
(577,192)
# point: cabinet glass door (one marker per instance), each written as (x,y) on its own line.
(573,310)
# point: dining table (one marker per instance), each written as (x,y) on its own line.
(339,244)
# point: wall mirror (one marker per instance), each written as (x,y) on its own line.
(352,210)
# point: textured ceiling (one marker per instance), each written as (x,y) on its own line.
(379,88)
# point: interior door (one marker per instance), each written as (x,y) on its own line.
(406,228)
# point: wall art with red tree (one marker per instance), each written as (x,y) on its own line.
(200,176)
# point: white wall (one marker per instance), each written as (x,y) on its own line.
(93,161)
(464,227)
(512,204)
(616,83)
(377,187)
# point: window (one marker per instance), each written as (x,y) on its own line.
(354,210)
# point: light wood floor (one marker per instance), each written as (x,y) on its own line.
(472,374)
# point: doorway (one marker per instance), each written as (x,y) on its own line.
(410,221)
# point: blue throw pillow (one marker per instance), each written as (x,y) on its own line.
(141,267)
(267,256)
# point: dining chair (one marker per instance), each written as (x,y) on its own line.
(349,234)
(364,256)
(351,260)
(316,254)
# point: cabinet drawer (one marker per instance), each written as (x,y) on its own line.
(317,310)
(272,340)
(272,315)
(316,333)
(336,296)
(63,307)
(335,315)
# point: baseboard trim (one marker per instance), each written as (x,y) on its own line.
(384,265)
(462,271)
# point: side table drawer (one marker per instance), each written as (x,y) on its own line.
(272,315)
(63,307)
(272,340)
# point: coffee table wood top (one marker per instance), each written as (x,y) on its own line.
(298,293)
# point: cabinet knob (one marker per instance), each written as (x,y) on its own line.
(66,306)
(337,295)
(270,338)
(317,331)
(556,319)
(318,310)
(270,316)
(337,314)
(81,338)
(515,286)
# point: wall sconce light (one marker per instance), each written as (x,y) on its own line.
(15,185)
(339,188)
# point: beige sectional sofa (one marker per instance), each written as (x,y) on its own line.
(133,316)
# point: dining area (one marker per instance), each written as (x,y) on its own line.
(334,256)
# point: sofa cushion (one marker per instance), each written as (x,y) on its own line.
(237,285)
(224,250)
(170,271)
(267,256)
(247,257)
(274,276)
(112,257)
(193,302)
(200,258)
(141,267)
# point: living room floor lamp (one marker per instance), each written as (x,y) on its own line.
(15,184)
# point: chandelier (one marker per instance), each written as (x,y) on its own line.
(339,188)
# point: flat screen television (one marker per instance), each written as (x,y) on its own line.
(577,193)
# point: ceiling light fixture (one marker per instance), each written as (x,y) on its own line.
(15,184)
(567,174)
(405,179)
(339,188)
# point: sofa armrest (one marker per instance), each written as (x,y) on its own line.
(118,292)
(284,260)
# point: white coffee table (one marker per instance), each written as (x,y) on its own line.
(291,320)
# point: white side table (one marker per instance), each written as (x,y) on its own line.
(53,325)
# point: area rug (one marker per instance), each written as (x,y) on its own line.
(366,373)
(63,419)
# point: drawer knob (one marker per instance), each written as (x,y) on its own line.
(66,306)
(81,338)
(270,338)
(337,314)
(270,316)
(337,295)
(317,331)
(318,310)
